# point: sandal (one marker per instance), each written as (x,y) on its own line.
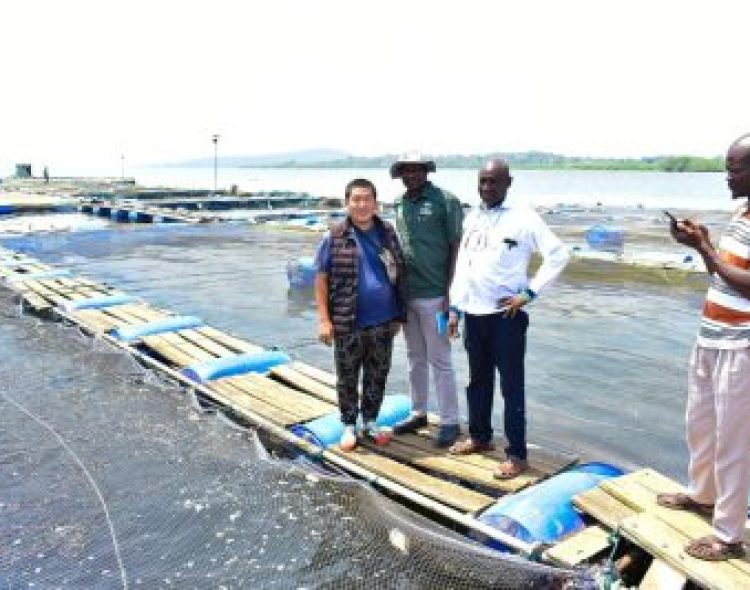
(469,446)
(510,468)
(680,501)
(711,548)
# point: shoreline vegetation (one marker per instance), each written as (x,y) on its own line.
(533,160)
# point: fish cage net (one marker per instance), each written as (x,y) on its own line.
(111,477)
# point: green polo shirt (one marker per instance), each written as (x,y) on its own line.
(426,226)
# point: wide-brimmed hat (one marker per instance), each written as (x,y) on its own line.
(397,167)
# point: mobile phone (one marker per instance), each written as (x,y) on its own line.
(672,218)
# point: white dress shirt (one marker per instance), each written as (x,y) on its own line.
(493,258)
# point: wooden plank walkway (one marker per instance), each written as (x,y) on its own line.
(291,394)
(628,504)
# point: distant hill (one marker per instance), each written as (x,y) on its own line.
(298,158)
(531,160)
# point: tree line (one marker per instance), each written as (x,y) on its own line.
(532,160)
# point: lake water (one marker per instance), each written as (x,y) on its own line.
(606,379)
(608,349)
(537,187)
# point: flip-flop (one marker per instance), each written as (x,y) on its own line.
(680,501)
(711,548)
(510,468)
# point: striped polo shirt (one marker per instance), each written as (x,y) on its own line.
(726,313)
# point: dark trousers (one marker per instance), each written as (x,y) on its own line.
(368,350)
(497,342)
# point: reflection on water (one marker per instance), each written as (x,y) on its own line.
(301,300)
(607,346)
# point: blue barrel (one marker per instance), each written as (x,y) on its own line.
(603,237)
(327,430)
(301,272)
(544,512)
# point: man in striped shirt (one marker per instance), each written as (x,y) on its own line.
(718,408)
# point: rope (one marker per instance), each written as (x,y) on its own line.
(609,573)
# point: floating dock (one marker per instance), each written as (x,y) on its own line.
(454,489)
(142,212)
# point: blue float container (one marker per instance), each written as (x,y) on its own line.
(545,512)
(301,272)
(169,324)
(327,430)
(251,362)
(98,302)
(603,237)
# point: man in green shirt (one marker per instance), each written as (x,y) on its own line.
(428,221)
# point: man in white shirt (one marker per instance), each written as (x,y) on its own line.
(491,286)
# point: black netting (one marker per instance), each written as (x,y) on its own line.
(110,477)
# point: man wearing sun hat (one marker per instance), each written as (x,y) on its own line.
(428,221)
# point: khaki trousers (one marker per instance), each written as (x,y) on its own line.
(718,435)
(426,348)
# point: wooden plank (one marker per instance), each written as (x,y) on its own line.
(603,507)
(54,285)
(630,490)
(211,346)
(324,377)
(438,461)
(295,403)
(34,286)
(541,463)
(96,320)
(199,355)
(648,479)
(660,576)
(144,312)
(19,271)
(121,313)
(171,353)
(666,543)
(36,302)
(235,344)
(580,546)
(443,491)
(241,403)
(289,374)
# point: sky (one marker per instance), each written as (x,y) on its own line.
(84,84)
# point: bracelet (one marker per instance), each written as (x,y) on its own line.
(529,294)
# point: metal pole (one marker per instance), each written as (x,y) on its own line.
(215,139)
